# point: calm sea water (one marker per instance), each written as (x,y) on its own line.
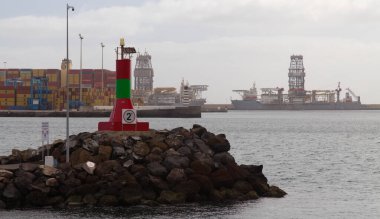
(327,161)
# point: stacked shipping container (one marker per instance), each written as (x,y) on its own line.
(92,92)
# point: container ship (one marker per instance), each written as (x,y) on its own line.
(297,97)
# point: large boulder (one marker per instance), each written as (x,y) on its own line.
(203,147)
(74,200)
(174,141)
(141,149)
(2,205)
(204,158)
(36,198)
(106,167)
(206,185)
(108,200)
(90,145)
(6,174)
(30,167)
(184,150)
(90,199)
(52,182)
(198,130)
(159,143)
(131,196)
(11,192)
(80,156)
(171,162)
(222,178)
(105,152)
(223,158)
(176,175)
(50,171)
(153,157)
(201,167)
(242,186)
(156,169)
(170,197)
(24,181)
(26,155)
(158,183)
(275,192)
(219,143)
(236,171)
(189,187)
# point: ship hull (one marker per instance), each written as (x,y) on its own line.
(255,105)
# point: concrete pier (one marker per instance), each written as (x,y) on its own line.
(177,112)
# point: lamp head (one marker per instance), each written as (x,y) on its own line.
(70,7)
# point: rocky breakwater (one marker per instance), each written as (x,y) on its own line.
(130,168)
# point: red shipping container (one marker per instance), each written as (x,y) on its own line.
(7,95)
(88,75)
(24,91)
(52,72)
(2,87)
(97,85)
(74,72)
(97,75)
(86,85)
(74,85)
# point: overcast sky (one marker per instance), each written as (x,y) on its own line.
(227,44)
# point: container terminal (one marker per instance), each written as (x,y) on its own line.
(94,90)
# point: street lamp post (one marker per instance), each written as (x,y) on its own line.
(80,73)
(68,7)
(102,45)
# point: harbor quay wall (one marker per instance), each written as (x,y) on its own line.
(177,112)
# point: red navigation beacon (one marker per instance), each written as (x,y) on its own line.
(123,116)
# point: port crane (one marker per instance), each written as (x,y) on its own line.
(338,90)
(38,94)
(357,98)
(250,94)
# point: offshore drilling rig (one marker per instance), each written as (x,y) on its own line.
(296,93)
(143,74)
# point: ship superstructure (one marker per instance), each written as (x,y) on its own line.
(191,95)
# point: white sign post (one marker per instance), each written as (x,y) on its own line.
(44,137)
(45,132)
(49,160)
(129,116)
